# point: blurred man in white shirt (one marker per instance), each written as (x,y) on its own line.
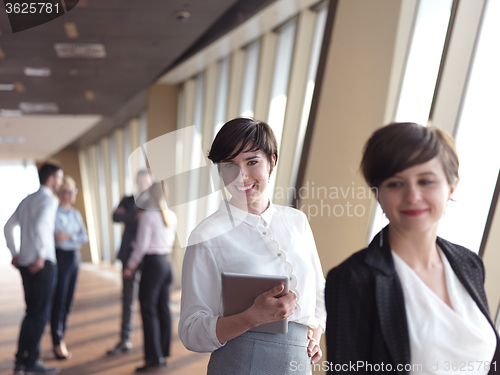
(36,261)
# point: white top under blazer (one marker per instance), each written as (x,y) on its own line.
(444,340)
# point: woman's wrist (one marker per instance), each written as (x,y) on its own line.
(250,319)
(229,327)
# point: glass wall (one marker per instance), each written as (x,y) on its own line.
(250,79)
(276,84)
(19,179)
(421,69)
(477,135)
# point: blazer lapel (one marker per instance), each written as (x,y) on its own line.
(470,275)
(389,299)
(389,293)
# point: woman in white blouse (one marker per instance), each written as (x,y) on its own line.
(70,235)
(411,302)
(250,235)
(153,246)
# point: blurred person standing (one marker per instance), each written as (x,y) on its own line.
(70,235)
(153,246)
(36,260)
(128,213)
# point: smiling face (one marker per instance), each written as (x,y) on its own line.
(67,194)
(414,200)
(246,178)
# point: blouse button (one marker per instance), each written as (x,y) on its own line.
(279,254)
(264,233)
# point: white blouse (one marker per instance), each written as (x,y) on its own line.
(444,340)
(153,236)
(278,242)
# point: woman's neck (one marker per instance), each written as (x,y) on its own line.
(254,208)
(417,249)
(66,206)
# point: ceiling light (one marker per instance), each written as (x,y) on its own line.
(19,86)
(10,112)
(39,107)
(89,95)
(182,16)
(12,139)
(71,30)
(37,72)
(73,50)
(6,86)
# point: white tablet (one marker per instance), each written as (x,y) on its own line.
(240,290)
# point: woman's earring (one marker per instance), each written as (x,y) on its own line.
(269,179)
(381,238)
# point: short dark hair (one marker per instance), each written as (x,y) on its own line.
(47,170)
(398,146)
(243,132)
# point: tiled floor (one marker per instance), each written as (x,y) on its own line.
(93,328)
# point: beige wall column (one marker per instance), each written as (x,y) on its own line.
(491,259)
(350,106)
(162,110)
(162,119)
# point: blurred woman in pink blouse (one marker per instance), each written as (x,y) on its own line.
(153,246)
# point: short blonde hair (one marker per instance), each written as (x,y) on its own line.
(68,180)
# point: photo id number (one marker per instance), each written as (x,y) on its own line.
(32,8)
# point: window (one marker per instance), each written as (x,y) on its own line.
(250,80)
(477,138)
(421,71)
(279,87)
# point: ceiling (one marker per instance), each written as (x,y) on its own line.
(89,96)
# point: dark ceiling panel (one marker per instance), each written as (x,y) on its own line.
(142,39)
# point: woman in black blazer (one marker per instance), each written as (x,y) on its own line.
(411,302)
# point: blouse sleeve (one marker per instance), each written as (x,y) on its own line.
(200,300)
(9,232)
(143,239)
(319,279)
(82,236)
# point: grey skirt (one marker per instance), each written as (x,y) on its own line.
(258,353)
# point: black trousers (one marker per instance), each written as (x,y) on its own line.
(154,296)
(129,296)
(67,265)
(38,293)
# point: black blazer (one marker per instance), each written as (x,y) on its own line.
(129,217)
(366,318)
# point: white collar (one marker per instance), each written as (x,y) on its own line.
(247,217)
